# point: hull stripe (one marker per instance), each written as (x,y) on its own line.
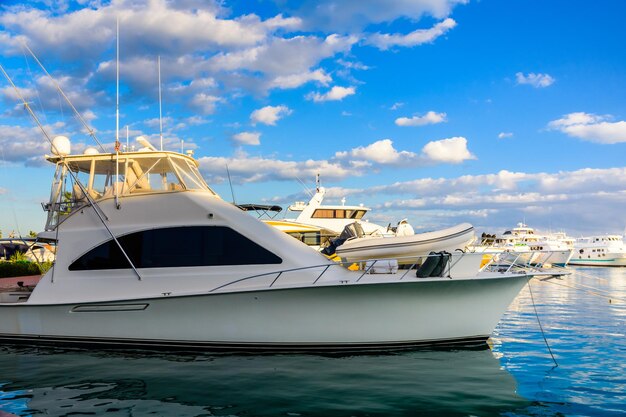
(151,344)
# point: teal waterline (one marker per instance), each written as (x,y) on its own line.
(515,378)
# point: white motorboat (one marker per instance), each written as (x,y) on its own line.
(29,247)
(367,247)
(602,250)
(524,246)
(313,236)
(123,278)
(333,217)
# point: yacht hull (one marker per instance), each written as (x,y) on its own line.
(553,257)
(324,317)
(605,261)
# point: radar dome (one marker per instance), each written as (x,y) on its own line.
(61,146)
(91,151)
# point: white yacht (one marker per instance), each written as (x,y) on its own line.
(333,217)
(149,256)
(27,246)
(602,250)
(535,249)
(563,238)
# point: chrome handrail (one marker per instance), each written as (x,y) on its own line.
(342,264)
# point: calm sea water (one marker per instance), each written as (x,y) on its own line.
(516,377)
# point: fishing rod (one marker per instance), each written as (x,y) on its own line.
(101,215)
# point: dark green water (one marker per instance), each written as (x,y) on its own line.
(516,377)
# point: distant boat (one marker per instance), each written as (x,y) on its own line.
(602,250)
(333,217)
(527,247)
(29,247)
(314,236)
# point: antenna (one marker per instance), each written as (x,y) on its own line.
(56,84)
(231,184)
(117,116)
(127,144)
(160,113)
(117,85)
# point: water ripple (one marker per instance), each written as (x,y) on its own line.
(515,378)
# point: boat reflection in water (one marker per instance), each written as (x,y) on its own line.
(56,382)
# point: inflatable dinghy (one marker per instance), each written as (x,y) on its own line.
(368,247)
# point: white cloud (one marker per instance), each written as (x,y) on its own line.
(336,93)
(26,145)
(296,80)
(429,118)
(352,65)
(591,127)
(381,152)
(205,103)
(258,169)
(355,16)
(283,56)
(247,138)
(418,37)
(269,115)
(144,25)
(453,150)
(209,54)
(536,80)
(504,135)
(562,200)
(396,105)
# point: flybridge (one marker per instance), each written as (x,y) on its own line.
(98,176)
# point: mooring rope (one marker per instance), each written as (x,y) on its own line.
(540,326)
(605,296)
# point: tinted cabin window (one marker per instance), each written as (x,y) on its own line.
(337,214)
(323,214)
(177,247)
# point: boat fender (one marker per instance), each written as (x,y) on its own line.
(332,247)
(434,266)
(444,258)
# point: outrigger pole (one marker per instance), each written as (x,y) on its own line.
(96,208)
(92,133)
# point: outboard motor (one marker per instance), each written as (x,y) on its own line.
(404,228)
(352,230)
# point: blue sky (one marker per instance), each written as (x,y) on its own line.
(439,111)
